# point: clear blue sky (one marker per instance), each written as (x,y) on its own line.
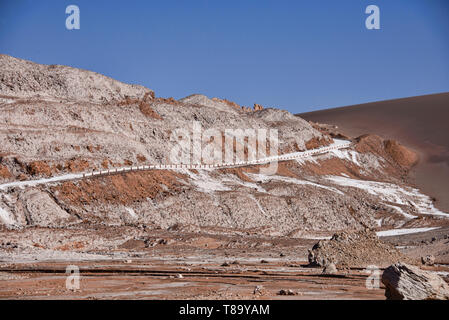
(296,55)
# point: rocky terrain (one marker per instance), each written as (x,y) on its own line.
(57,120)
(358,249)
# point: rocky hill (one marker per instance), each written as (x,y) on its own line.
(57,120)
(25,79)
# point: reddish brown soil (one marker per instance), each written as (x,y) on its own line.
(123,188)
(229,103)
(4,172)
(74,246)
(370,143)
(128,163)
(239,172)
(39,168)
(400,159)
(287,169)
(315,143)
(402,155)
(77,165)
(333,166)
(146,109)
(141,158)
(105,164)
(144,105)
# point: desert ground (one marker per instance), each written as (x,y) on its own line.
(172,265)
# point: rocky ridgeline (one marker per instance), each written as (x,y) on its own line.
(22,79)
(58,120)
(59,117)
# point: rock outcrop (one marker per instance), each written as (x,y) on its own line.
(402,155)
(4,172)
(428,260)
(389,149)
(257,107)
(27,79)
(406,282)
(355,249)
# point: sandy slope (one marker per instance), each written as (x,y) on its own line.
(421,123)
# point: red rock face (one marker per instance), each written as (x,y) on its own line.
(144,104)
(229,103)
(141,158)
(77,165)
(4,172)
(120,189)
(257,107)
(402,155)
(392,149)
(316,143)
(36,168)
(370,143)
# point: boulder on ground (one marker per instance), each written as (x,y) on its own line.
(259,290)
(428,260)
(288,292)
(406,282)
(330,269)
(354,249)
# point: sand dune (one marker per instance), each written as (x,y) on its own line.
(421,123)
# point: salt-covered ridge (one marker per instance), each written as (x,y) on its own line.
(392,193)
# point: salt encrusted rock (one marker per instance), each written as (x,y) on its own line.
(259,290)
(354,249)
(330,269)
(406,282)
(428,260)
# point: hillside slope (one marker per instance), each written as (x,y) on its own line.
(49,128)
(421,123)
